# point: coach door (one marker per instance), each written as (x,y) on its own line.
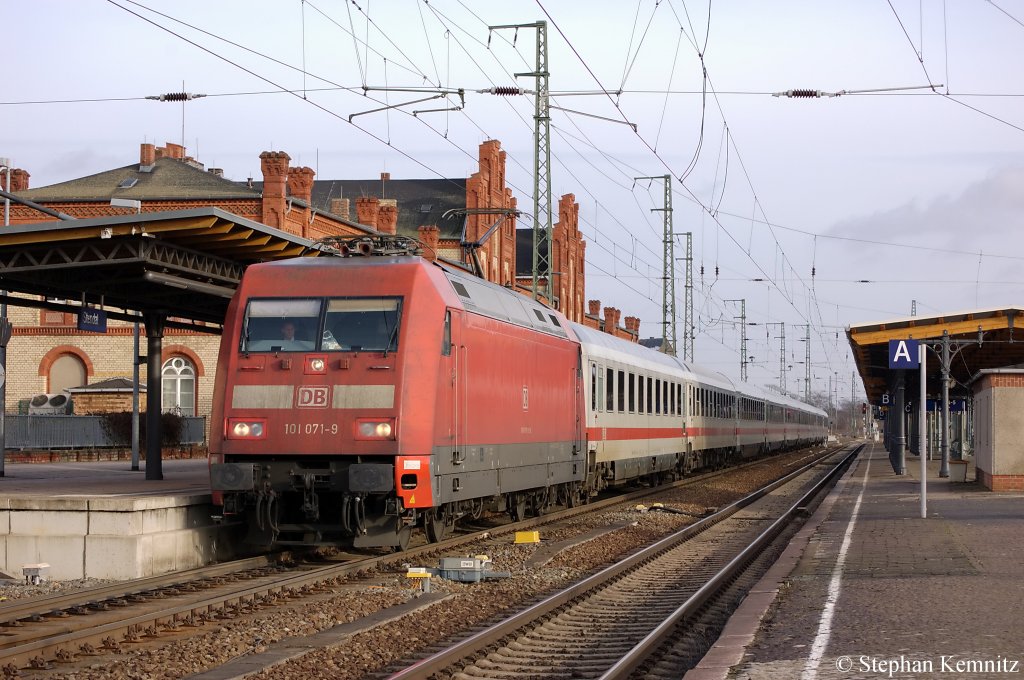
(579,410)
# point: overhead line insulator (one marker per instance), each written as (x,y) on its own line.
(175,97)
(506,91)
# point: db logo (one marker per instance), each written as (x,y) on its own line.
(312,397)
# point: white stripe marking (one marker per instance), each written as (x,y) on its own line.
(825,624)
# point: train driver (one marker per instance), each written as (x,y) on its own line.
(289,341)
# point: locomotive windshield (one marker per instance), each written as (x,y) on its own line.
(333,324)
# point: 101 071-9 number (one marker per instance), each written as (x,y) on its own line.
(311,428)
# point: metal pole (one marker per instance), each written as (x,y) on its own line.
(669,344)
(5,336)
(669,288)
(922,431)
(782,358)
(542,246)
(901,424)
(154,349)
(135,397)
(688,308)
(807,366)
(5,165)
(5,333)
(853,413)
(944,435)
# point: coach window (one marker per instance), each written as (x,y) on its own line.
(632,392)
(593,386)
(600,389)
(664,398)
(178,380)
(609,390)
(650,396)
(679,400)
(621,390)
(657,397)
(640,394)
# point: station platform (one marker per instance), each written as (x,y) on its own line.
(869,589)
(104,520)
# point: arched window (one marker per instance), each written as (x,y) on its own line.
(66,372)
(179,386)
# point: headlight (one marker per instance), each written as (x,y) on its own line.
(315,365)
(246,429)
(375,428)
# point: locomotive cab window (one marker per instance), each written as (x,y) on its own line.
(281,325)
(304,325)
(362,324)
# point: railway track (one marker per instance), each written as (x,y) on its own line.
(41,633)
(630,619)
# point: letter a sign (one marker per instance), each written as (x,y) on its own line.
(903,354)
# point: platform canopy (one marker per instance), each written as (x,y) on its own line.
(1000,345)
(182,264)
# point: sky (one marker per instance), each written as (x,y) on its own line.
(904,190)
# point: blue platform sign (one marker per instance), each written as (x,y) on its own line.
(955,405)
(94,320)
(903,354)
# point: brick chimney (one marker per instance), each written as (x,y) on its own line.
(300,183)
(275,172)
(174,151)
(633,325)
(387,216)
(430,237)
(147,154)
(367,208)
(219,172)
(594,307)
(611,319)
(19,180)
(340,207)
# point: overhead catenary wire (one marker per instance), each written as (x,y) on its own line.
(713,205)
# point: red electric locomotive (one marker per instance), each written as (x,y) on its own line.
(357,397)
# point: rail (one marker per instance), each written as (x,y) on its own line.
(474,645)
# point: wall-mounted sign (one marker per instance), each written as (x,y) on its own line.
(94,320)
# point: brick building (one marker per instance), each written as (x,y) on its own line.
(48,354)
